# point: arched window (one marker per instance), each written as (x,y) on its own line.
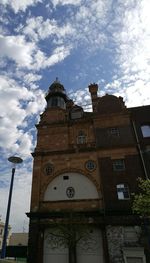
(123,192)
(81,138)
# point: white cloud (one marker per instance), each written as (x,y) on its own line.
(136,93)
(82,98)
(36,28)
(18,5)
(26,143)
(30,78)
(27,55)
(66,2)
(83,27)
(133,38)
(131,35)
(21,104)
(16,48)
(58,55)
(90,21)
(17,103)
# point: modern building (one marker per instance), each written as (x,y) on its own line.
(86,166)
(17,248)
(18,239)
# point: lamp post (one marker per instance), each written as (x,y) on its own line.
(14,160)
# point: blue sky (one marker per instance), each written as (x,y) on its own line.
(80,42)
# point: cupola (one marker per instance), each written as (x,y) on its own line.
(56,96)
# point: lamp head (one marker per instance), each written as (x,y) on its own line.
(15,159)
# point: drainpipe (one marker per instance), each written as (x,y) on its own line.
(140,151)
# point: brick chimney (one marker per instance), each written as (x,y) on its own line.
(93,88)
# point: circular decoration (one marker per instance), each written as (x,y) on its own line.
(48,169)
(90,165)
(70,192)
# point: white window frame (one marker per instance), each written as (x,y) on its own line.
(122,190)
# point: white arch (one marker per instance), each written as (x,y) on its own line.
(80,188)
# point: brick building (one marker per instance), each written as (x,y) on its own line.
(86,166)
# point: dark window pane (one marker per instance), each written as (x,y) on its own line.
(118,165)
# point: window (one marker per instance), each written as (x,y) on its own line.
(114,131)
(123,191)
(90,165)
(76,113)
(65,177)
(147,149)
(56,102)
(118,165)
(81,139)
(145,130)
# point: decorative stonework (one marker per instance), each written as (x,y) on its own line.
(70,192)
(48,169)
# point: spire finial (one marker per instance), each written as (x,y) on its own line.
(57,80)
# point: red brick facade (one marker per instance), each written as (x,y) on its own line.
(67,138)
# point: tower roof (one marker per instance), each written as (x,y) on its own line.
(56,86)
(56,89)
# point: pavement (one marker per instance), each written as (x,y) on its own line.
(9,261)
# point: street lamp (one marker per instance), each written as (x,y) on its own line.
(14,160)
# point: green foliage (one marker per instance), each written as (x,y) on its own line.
(141,202)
